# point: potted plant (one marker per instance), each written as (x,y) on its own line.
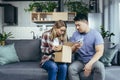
(34,6)
(41,6)
(106,34)
(78,7)
(4,36)
(107,37)
(51,6)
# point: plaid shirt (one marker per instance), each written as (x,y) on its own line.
(46,43)
(46,47)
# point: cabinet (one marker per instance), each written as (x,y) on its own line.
(52,16)
(10,14)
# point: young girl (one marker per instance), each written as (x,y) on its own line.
(51,40)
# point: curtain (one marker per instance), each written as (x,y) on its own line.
(112,18)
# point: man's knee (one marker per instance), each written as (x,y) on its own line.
(99,67)
(98,71)
(70,68)
(75,66)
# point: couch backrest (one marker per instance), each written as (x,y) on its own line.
(116,59)
(118,56)
(27,50)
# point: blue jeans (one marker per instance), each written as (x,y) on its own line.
(55,70)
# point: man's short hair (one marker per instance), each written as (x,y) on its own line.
(80,17)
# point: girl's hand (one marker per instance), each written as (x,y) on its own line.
(57,48)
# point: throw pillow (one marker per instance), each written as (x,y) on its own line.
(118,58)
(108,56)
(27,50)
(115,59)
(8,54)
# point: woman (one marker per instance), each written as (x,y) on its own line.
(51,40)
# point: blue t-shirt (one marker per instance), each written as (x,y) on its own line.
(90,39)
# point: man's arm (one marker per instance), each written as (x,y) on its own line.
(99,52)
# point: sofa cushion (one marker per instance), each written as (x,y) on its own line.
(115,60)
(23,71)
(27,50)
(112,73)
(108,55)
(119,58)
(8,54)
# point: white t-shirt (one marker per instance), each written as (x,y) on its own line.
(56,42)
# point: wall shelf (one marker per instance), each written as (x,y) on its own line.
(52,16)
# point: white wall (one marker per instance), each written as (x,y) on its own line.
(25,32)
(24,18)
(25,25)
(22,32)
(106,14)
(111,16)
(114,20)
(95,20)
(0,18)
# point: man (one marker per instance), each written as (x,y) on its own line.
(87,52)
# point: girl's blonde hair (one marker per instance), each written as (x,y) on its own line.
(57,25)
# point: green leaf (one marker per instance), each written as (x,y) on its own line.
(4,36)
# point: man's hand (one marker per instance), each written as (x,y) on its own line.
(76,46)
(87,69)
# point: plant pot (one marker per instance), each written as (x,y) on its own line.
(2,43)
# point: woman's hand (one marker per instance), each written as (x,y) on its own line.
(57,48)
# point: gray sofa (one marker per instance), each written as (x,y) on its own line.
(28,68)
(113,72)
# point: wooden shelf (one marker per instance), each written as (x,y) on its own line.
(52,16)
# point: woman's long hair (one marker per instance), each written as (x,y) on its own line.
(57,25)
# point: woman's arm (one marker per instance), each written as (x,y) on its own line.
(46,47)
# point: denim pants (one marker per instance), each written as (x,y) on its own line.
(55,70)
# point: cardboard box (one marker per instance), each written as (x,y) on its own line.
(69,44)
(65,55)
